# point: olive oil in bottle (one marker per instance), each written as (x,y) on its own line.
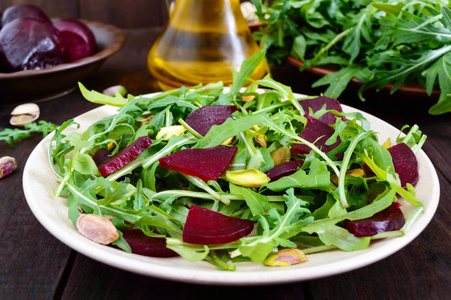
(203,42)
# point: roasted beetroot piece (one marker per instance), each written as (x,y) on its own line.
(390,219)
(125,156)
(207,164)
(284,169)
(31,44)
(101,156)
(312,131)
(406,164)
(203,118)
(78,37)
(317,103)
(146,245)
(22,11)
(207,227)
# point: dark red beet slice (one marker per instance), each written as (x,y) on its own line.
(207,164)
(390,219)
(203,118)
(125,156)
(206,227)
(317,103)
(146,245)
(285,169)
(312,131)
(405,162)
(101,156)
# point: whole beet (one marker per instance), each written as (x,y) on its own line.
(31,44)
(22,11)
(78,37)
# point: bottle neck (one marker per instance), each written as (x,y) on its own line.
(211,15)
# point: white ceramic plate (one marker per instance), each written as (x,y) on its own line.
(39,182)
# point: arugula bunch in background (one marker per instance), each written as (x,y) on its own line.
(378,42)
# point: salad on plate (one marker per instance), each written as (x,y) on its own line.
(225,175)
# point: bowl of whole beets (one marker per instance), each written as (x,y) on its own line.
(43,58)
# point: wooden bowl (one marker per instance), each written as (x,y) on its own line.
(37,85)
(411,89)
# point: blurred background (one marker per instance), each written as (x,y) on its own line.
(121,13)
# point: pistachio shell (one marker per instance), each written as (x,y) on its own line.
(248,178)
(261,140)
(24,113)
(353,172)
(281,155)
(96,228)
(170,131)
(27,108)
(285,258)
(8,165)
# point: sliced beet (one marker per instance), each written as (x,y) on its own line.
(203,118)
(146,245)
(207,164)
(390,219)
(405,162)
(207,227)
(317,103)
(101,156)
(285,169)
(312,131)
(125,156)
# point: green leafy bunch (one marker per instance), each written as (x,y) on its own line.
(381,42)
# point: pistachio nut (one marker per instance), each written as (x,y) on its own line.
(248,178)
(285,258)
(281,155)
(96,228)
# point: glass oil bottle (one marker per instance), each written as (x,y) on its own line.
(203,41)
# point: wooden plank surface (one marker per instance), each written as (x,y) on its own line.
(121,13)
(34,265)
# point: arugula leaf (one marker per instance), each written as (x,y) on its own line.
(257,203)
(14,135)
(318,178)
(278,228)
(247,68)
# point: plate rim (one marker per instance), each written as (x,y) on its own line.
(194,274)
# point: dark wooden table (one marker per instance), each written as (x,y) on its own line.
(35,265)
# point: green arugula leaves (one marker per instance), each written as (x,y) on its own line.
(379,42)
(303,210)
